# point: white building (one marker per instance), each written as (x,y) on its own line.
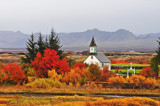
(97,57)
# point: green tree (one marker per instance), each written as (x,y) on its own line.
(33,46)
(155,61)
(31,50)
(54,43)
(154,65)
(41,45)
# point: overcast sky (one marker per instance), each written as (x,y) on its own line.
(137,16)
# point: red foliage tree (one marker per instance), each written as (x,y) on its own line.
(105,75)
(147,72)
(14,72)
(49,61)
(79,65)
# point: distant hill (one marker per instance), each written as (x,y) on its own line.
(112,41)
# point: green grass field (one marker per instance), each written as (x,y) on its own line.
(125,70)
(133,65)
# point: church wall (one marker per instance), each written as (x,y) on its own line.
(108,64)
(92,60)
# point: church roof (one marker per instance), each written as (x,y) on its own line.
(102,58)
(93,43)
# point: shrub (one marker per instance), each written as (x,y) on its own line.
(136,80)
(75,75)
(147,72)
(53,75)
(3,76)
(116,81)
(44,83)
(31,72)
(131,101)
(14,72)
(149,83)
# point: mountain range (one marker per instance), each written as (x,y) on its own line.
(120,40)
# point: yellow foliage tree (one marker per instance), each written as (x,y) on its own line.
(54,76)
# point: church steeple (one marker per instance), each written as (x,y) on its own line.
(93,43)
(92,47)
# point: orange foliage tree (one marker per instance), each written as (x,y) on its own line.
(49,61)
(116,81)
(136,80)
(14,72)
(75,75)
(147,72)
(149,83)
(94,72)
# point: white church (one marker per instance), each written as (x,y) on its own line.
(97,57)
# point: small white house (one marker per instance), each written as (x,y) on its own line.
(97,57)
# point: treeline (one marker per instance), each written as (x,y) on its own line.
(33,47)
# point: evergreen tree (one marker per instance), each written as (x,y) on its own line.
(54,43)
(155,61)
(158,50)
(40,44)
(46,42)
(31,49)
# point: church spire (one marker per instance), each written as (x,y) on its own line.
(92,47)
(93,43)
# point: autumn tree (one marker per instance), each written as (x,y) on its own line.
(94,72)
(33,47)
(147,72)
(3,76)
(116,81)
(49,61)
(79,65)
(136,80)
(14,72)
(76,75)
(105,74)
(149,83)
(53,75)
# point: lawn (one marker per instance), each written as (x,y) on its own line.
(125,71)
(128,65)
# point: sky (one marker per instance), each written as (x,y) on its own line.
(27,16)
